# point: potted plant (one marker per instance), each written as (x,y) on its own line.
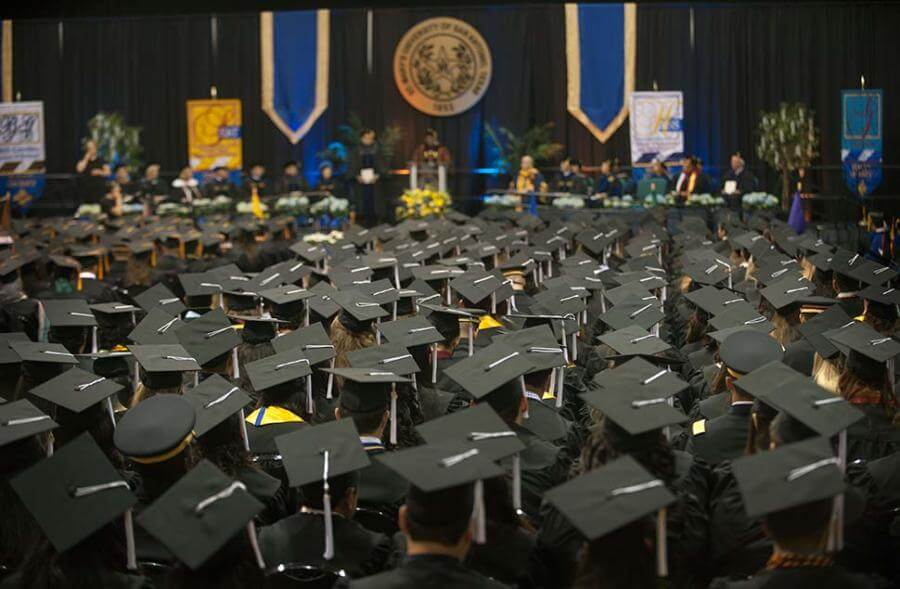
(788,141)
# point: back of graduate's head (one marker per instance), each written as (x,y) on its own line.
(441,517)
(803,528)
(341,489)
(539,379)
(506,400)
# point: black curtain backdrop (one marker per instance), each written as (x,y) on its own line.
(732,61)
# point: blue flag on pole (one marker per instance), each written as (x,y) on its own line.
(600,56)
(294,51)
(861,139)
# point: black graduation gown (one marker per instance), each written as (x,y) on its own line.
(738,544)
(832,577)
(425,570)
(300,538)
(108,580)
(546,423)
(725,437)
(873,437)
(853,306)
(543,466)
(379,487)
(269,491)
(869,544)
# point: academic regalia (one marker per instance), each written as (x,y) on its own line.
(379,487)
(287,184)
(543,467)
(820,577)
(267,423)
(425,570)
(215,187)
(722,438)
(870,545)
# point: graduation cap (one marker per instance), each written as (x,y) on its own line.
(366,389)
(821,261)
(766,378)
(312,341)
(309,252)
(788,476)
(445,481)
(257,329)
(322,302)
(608,498)
(215,400)
(7,354)
(208,336)
(634,341)
(286,300)
(874,274)
(158,327)
(706,271)
(278,369)
(477,286)
(21,419)
(744,351)
(163,364)
(390,357)
(201,513)
(646,378)
(787,292)
(490,369)
(741,315)
(886,295)
(630,291)
(115,310)
(410,332)
(321,453)
(74,493)
(76,390)
(637,409)
(284,273)
(69,313)
(868,350)
(563,300)
(540,346)
(156,429)
(634,312)
(713,300)
(201,284)
(348,277)
(819,410)
(814,329)
(160,296)
(42,352)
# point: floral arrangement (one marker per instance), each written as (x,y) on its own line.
(246,207)
(502,201)
(422,202)
(659,200)
(210,206)
(759,200)
(704,200)
(568,202)
(321,237)
(331,205)
(172,209)
(293,204)
(624,202)
(788,140)
(89,210)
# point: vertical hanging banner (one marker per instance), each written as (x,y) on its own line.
(214,134)
(600,59)
(656,125)
(861,139)
(294,51)
(22,152)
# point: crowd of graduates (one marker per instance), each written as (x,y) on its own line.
(575,399)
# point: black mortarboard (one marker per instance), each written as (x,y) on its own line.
(311,341)
(114,309)
(865,341)
(7,354)
(392,357)
(706,271)
(635,410)
(76,389)
(201,284)
(73,493)
(787,292)
(539,344)
(489,369)
(41,352)
(285,295)
(767,378)
(69,313)
(886,295)
(626,292)
(164,358)
(814,328)
(434,467)
(258,329)
(200,513)
(322,302)
(644,378)
(477,286)
(156,429)
(159,296)
(788,476)
(215,400)
(740,314)
(476,427)
(303,452)
(713,300)
(208,336)
(366,389)
(634,312)
(309,252)
(410,332)
(608,498)
(874,274)
(634,341)
(278,369)
(563,300)
(819,410)
(20,419)
(744,351)
(158,327)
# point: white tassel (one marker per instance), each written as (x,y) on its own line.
(111,411)
(478,512)
(326,507)
(310,404)
(560,386)
(434,363)
(94,347)
(235,365)
(662,560)
(524,395)
(306,315)
(131,554)
(330,386)
(136,379)
(471,339)
(393,414)
(244,435)
(254,544)
(517,484)
(196,379)
(394,313)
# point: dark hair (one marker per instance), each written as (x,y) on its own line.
(366,421)
(19,533)
(231,567)
(802,522)
(651,450)
(248,353)
(619,559)
(74,339)
(696,328)
(882,318)
(81,566)
(447,533)
(338,487)
(285,395)
(223,446)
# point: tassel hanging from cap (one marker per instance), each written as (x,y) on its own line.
(310,403)
(111,411)
(131,553)
(471,331)
(244,437)
(330,385)
(254,545)
(394,417)
(434,363)
(326,507)
(662,559)
(517,484)
(524,394)
(479,514)
(94,340)
(235,365)
(560,385)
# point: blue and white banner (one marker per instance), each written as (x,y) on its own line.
(600,57)
(657,127)
(861,138)
(294,49)
(22,152)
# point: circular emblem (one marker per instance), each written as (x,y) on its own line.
(442,66)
